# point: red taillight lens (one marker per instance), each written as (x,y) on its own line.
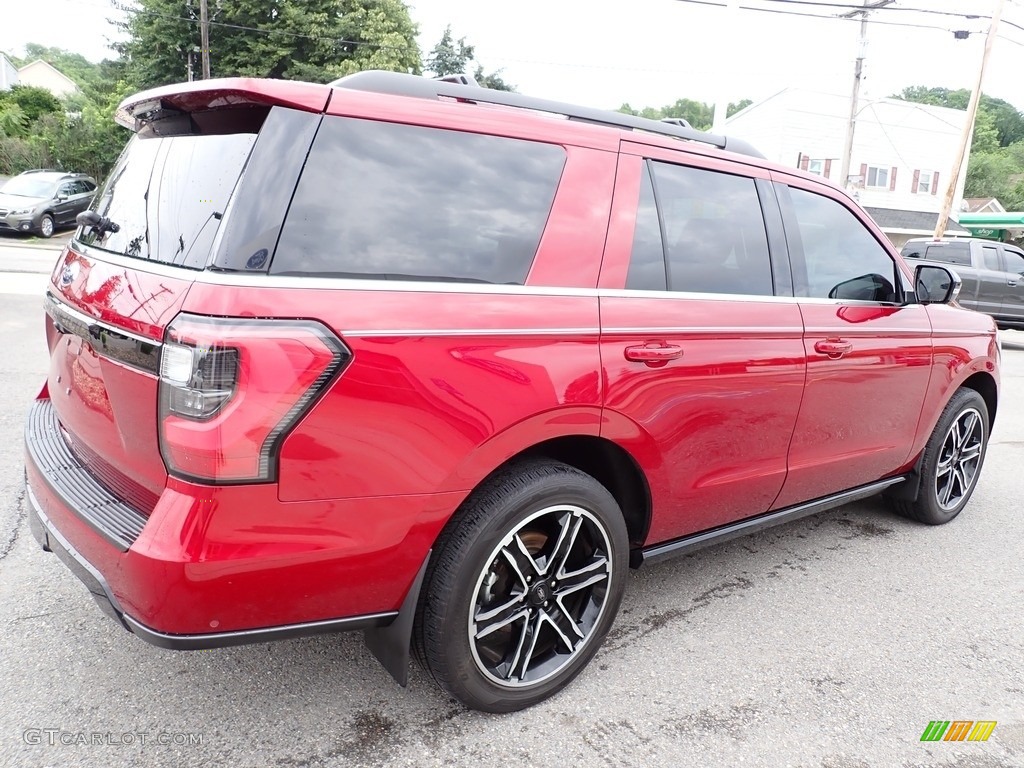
(231,390)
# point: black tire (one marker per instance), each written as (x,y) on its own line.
(46,226)
(484,657)
(952,461)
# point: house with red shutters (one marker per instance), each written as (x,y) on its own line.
(902,155)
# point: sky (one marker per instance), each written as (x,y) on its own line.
(653,52)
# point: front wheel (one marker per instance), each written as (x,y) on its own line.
(524,587)
(952,460)
(46,225)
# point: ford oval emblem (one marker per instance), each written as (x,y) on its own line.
(68,274)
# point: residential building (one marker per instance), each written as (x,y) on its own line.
(43,75)
(8,74)
(982,205)
(901,159)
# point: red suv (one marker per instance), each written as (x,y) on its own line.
(440,363)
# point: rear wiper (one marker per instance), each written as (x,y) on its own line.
(99,223)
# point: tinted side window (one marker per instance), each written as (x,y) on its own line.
(647,260)
(383,200)
(1014,260)
(950,253)
(714,231)
(841,257)
(990,254)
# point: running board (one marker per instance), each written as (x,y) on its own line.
(697,541)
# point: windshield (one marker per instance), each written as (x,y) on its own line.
(27,186)
(167,196)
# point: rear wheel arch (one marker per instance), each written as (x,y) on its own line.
(604,460)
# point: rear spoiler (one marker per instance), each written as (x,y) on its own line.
(171,109)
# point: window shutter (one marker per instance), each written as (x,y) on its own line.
(935,182)
(805,162)
(892,179)
(913,186)
(828,168)
(864,174)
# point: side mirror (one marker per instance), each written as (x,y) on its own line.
(61,198)
(936,285)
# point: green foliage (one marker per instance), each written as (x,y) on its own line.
(492,80)
(317,40)
(996,165)
(696,113)
(13,121)
(1007,121)
(34,102)
(449,57)
(453,57)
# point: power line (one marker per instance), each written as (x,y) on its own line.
(804,14)
(845,6)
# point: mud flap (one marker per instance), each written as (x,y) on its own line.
(391,644)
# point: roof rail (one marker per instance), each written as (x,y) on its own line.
(399,84)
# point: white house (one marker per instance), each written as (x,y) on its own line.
(8,74)
(902,152)
(43,75)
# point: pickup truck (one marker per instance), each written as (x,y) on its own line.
(992,274)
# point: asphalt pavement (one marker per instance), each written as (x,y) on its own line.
(831,642)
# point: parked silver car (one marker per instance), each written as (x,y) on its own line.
(41,201)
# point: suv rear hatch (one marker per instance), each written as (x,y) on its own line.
(162,213)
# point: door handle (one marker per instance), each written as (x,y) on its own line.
(834,348)
(1011,282)
(653,356)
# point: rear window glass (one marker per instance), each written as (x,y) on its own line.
(948,253)
(168,195)
(389,201)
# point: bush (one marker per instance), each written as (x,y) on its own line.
(17,155)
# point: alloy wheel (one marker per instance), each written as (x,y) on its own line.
(959,459)
(540,596)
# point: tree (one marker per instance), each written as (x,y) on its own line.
(1007,121)
(317,40)
(34,102)
(13,122)
(492,80)
(449,57)
(453,57)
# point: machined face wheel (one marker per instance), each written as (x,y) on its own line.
(959,459)
(540,596)
(46,226)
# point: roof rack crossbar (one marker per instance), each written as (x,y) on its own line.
(400,84)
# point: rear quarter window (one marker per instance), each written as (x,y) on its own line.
(949,253)
(390,201)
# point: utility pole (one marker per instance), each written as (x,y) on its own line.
(204,37)
(726,67)
(965,136)
(858,74)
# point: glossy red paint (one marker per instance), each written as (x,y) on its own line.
(885,374)
(219,93)
(448,382)
(108,407)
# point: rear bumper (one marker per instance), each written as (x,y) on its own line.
(221,566)
(51,540)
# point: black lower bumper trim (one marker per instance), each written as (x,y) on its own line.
(51,540)
(247,636)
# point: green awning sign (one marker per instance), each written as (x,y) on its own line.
(987,232)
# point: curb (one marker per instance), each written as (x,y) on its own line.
(33,246)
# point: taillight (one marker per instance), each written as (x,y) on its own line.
(231,389)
